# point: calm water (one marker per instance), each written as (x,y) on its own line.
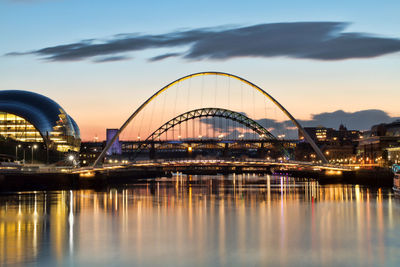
(203,221)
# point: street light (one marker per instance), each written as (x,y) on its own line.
(16,152)
(72,159)
(33,147)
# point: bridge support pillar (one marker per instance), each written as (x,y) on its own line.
(225,152)
(261,153)
(152,152)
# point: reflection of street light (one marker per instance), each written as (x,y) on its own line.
(16,152)
(33,147)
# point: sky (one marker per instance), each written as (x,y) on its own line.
(101,59)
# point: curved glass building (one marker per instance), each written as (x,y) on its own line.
(33,118)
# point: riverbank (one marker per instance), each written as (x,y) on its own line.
(25,181)
(374,177)
(10,182)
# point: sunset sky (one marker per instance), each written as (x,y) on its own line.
(101,59)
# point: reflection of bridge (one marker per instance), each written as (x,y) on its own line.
(213,112)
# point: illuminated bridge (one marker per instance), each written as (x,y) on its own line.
(265,137)
(234,115)
(201,127)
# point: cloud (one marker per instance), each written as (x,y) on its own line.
(164,56)
(306,40)
(110,59)
(359,120)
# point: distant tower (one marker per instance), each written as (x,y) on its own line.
(342,127)
(115,149)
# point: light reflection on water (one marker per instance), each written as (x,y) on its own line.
(203,220)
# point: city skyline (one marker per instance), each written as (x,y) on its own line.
(306,82)
(199,133)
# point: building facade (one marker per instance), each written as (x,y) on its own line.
(338,146)
(31,118)
(381,144)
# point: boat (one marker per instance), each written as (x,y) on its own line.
(396,179)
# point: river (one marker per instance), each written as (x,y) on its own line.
(235,220)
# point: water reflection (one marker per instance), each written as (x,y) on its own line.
(203,220)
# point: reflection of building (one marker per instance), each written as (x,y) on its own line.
(337,145)
(381,144)
(141,222)
(27,118)
(31,224)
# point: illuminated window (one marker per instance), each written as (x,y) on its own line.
(17,128)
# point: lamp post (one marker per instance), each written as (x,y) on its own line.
(16,152)
(71,158)
(33,147)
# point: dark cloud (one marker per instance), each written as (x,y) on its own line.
(308,40)
(164,56)
(110,59)
(234,133)
(276,128)
(121,43)
(359,120)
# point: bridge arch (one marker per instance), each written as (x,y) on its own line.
(211,112)
(273,100)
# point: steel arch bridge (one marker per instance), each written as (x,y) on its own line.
(263,133)
(212,112)
(259,89)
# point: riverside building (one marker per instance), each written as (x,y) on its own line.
(30,121)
